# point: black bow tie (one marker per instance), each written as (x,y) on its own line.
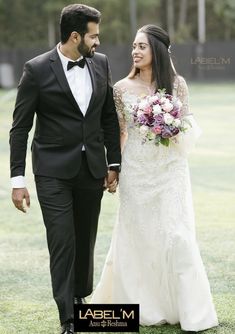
(81,63)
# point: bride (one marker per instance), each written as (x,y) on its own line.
(154,258)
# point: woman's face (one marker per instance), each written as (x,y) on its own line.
(141,52)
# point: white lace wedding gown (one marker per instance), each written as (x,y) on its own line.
(154,258)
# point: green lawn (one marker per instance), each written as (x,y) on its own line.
(26,304)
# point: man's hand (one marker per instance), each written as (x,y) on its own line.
(18,196)
(112,181)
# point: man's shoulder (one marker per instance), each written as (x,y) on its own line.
(42,58)
(99,57)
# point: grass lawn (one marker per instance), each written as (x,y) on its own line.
(26,304)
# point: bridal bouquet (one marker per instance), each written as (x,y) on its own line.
(158,118)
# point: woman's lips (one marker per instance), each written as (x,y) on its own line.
(136,59)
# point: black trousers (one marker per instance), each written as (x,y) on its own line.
(70,210)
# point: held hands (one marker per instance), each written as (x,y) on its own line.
(18,196)
(111,181)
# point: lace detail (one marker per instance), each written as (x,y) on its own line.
(181,91)
(154,259)
(117,95)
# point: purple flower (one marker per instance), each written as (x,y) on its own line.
(175,113)
(166,133)
(159,119)
(151,120)
(175,131)
(142,119)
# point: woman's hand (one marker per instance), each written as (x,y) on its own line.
(112,181)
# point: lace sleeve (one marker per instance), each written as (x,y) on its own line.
(186,140)
(182,93)
(117,94)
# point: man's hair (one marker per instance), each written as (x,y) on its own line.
(75,18)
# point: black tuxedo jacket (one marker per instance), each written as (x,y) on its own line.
(61,129)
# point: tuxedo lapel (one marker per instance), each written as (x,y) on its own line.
(91,68)
(59,73)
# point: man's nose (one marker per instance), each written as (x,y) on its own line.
(97,42)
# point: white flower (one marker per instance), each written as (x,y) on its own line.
(140,112)
(153,99)
(176,122)
(157,109)
(163,99)
(178,103)
(168,119)
(143,130)
(168,106)
(143,105)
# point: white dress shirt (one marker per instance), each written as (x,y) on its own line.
(79,81)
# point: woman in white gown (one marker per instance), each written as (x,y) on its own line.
(154,258)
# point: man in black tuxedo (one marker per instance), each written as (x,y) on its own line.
(75,150)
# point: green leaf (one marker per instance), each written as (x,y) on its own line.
(162,91)
(165,141)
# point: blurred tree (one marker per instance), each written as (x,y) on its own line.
(170,11)
(22,23)
(225,19)
(115,25)
(27,23)
(183,29)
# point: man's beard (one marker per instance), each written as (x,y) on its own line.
(85,51)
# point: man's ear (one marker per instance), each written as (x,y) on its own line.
(75,37)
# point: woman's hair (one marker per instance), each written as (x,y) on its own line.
(162,71)
(75,18)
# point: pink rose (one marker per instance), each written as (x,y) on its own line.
(148,110)
(157,130)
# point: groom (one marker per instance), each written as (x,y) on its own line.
(75,150)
